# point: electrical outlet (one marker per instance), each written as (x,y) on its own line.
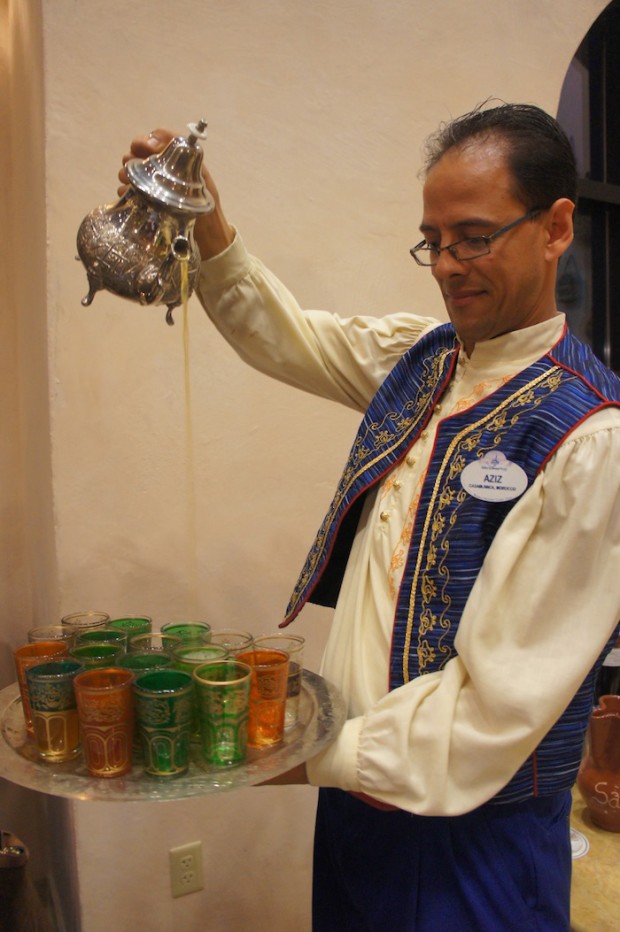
(186,868)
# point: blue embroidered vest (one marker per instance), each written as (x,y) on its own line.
(526,419)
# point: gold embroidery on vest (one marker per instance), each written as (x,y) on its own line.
(434,542)
(381,442)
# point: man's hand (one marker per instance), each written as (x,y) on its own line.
(212,232)
(297,775)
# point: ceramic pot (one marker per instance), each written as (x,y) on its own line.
(599,775)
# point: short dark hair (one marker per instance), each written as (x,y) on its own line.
(539,153)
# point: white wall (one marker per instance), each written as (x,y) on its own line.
(317,113)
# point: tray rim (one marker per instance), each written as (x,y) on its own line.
(323,714)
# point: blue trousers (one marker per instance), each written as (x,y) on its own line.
(503,868)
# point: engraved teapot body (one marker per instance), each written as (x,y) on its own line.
(142,247)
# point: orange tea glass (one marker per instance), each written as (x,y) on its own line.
(52,633)
(29,655)
(293,645)
(267,696)
(106,714)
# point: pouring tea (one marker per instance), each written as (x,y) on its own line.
(142,247)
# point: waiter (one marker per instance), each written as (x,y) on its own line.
(470,552)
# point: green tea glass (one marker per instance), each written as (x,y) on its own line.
(132,624)
(105,635)
(164,704)
(154,641)
(97,655)
(142,661)
(190,632)
(223,696)
(189,656)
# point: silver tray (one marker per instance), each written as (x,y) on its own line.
(321,716)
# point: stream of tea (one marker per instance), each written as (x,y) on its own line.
(190,473)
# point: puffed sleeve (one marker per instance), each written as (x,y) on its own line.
(342,359)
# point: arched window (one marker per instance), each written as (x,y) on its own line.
(589,276)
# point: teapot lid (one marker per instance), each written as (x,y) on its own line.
(173,177)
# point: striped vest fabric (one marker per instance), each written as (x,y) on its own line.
(522,423)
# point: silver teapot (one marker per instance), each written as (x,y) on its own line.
(142,247)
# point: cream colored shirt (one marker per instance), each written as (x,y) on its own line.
(542,608)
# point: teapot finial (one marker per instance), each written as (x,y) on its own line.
(136,247)
(173,177)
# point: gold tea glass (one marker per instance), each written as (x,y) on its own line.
(105,705)
(190,632)
(29,655)
(81,620)
(293,644)
(267,696)
(233,640)
(54,710)
(164,703)
(98,654)
(222,698)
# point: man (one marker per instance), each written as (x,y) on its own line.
(470,550)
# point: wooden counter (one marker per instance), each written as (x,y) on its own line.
(595,898)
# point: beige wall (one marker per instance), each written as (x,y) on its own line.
(27,564)
(28,590)
(317,112)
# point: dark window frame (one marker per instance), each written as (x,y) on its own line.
(598,206)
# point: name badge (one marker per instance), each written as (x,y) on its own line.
(494,478)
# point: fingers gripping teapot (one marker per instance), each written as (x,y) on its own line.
(142,247)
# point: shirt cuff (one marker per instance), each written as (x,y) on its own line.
(224,270)
(336,765)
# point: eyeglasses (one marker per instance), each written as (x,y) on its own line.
(472,247)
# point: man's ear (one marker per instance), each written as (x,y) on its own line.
(559,225)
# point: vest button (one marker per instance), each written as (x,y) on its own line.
(438,409)
(397,484)
(411,460)
(385,516)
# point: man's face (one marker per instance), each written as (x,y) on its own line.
(469,193)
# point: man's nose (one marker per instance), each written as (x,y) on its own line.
(448,265)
